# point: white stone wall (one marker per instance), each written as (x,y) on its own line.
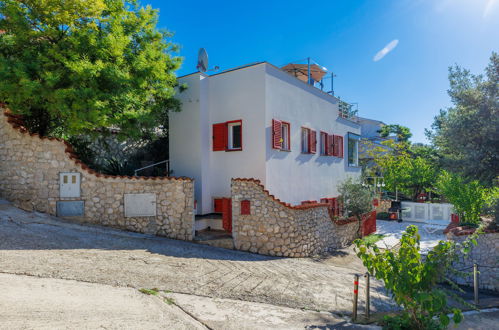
(486,255)
(29,177)
(279,229)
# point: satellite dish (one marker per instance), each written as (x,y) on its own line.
(202,60)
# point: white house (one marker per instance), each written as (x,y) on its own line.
(257,121)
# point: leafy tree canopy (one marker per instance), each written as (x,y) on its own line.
(402,133)
(72,66)
(466,135)
(405,168)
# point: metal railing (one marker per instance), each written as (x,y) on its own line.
(166,162)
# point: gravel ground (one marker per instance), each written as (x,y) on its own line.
(40,245)
(393,233)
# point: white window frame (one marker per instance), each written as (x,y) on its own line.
(323,143)
(230,136)
(285,136)
(355,138)
(305,143)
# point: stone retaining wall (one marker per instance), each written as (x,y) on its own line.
(279,229)
(485,254)
(29,177)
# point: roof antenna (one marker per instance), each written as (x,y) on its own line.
(202,65)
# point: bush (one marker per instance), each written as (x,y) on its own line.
(412,279)
(357,200)
(468,198)
(383,215)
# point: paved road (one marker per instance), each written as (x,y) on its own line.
(28,302)
(40,245)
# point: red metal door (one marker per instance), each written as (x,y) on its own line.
(227,214)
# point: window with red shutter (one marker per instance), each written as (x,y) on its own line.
(340,142)
(305,140)
(235,135)
(313,141)
(276,134)
(324,144)
(219,137)
(330,145)
(338,146)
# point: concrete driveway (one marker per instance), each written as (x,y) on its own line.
(38,245)
(28,302)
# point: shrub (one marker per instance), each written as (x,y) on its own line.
(412,280)
(357,200)
(383,215)
(468,198)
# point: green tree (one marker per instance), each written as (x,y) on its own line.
(402,133)
(402,169)
(468,198)
(357,200)
(73,66)
(466,135)
(412,279)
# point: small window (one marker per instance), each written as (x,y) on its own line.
(324,142)
(285,136)
(305,145)
(353,149)
(235,140)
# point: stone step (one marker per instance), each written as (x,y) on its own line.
(217,238)
(209,221)
(225,243)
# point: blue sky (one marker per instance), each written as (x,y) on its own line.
(407,86)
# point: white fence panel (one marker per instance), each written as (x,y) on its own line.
(424,212)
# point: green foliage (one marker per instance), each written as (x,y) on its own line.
(402,169)
(72,66)
(402,133)
(468,198)
(465,135)
(383,215)
(412,280)
(357,200)
(373,238)
(150,292)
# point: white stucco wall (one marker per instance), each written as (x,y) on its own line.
(185,130)
(238,95)
(292,176)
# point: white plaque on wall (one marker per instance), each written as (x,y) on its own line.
(140,205)
(69,184)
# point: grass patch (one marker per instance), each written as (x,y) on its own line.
(373,238)
(169,301)
(150,292)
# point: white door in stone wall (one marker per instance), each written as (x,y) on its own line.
(69,184)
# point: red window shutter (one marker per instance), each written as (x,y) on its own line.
(335,145)
(312,140)
(219,137)
(340,142)
(276,134)
(245,207)
(330,145)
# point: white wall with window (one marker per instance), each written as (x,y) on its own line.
(227,126)
(299,174)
